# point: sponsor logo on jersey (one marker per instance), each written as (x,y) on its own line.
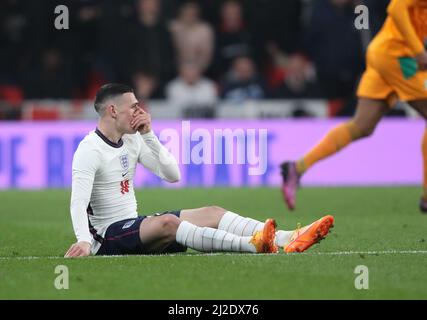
(124,186)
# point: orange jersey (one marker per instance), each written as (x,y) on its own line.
(404,32)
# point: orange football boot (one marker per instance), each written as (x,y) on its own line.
(304,238)
(264,240)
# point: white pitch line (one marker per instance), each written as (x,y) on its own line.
(332,253)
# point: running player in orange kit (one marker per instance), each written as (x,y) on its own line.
(395,69)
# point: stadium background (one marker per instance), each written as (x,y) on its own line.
(256,60)
(290,67)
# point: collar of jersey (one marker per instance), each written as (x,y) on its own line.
(110,143)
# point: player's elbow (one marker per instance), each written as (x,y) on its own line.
(173,177)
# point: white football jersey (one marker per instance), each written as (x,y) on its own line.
(102,180)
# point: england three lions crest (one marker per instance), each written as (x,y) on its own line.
(124,161)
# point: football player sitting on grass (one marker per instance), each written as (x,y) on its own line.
(104,208)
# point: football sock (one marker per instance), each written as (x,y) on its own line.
(336,139)
(424,152)
(208,239)
(241,226)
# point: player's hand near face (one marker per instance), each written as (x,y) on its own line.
(78,249)
(422,60)
(141,121)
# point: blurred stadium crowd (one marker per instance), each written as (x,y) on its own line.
(195,52)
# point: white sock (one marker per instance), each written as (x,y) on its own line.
(241,226)
(209,239)
(283,237)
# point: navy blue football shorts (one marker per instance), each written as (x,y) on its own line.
(122,237)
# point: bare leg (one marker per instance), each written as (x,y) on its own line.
(368,113)
(156,233)
(421,107)
(204,217)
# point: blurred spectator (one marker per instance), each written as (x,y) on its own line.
(52,78)
(193,92)
(194,39)
(288,76)
(82,44)
(146,86)
(335,47)
(147,44)
(274,21)
(14,40)
(233,38)
(128,41)
(242,82)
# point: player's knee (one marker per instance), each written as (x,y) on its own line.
(361,129)
(366,131)
(216,210)
(169,225)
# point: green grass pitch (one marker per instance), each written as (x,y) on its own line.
(380,228)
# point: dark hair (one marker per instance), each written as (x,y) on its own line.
(109,90)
